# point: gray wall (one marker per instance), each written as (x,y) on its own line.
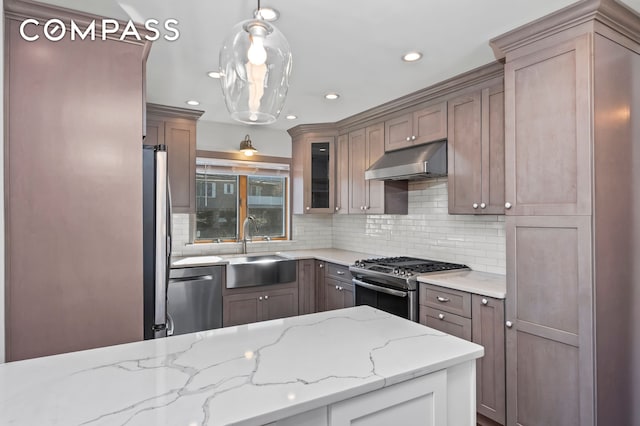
(226,137)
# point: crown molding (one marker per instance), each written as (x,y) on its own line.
(19,10)
(324,129)
(173,112)
(611,13)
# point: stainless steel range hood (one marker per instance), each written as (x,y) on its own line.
(418,162)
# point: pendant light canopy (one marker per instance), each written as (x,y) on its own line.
(255,63)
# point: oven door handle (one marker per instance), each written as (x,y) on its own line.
(379,288)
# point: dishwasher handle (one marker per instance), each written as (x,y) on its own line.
(194,278)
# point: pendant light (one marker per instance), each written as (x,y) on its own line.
(255,63)
(246,147)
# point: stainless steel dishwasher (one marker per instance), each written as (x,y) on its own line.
(194,299)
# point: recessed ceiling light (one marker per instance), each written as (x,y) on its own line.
(267,13)
(332,96)
(193,102)
(412,56)
(214,74)
(291,117)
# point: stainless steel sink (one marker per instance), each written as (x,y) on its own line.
(260,270)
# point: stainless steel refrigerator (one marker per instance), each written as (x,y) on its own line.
(156,231)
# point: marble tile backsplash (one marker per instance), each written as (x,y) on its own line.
(428,231)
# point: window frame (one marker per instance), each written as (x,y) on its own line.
(243,195)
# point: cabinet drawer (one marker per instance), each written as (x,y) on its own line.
(338,272)
(446,322)
(452,301)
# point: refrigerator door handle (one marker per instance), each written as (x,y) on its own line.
(162,267)
(170,324)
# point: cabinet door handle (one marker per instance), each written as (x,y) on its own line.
(340,272)
(413,138)
(441,316)
(266,297)
(408,138)
(337,208)
(340,288)
(337,287)
(308,208)
(321,265)
(483,205)
(475,205)
(442,299)
(509,324)
(485,301)
(260,298)
(367,207)
(507,206)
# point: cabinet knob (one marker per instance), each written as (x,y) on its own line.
(308,208)
(483,205)
(260,298)
(337,287)
(441,316)
(475,205)
(266,297)
(367,207)
(340,288)
(408,138)
(485,301)
(337,208)
(509,324)
(507,206)
(413,138)
(321,265)
(362,208)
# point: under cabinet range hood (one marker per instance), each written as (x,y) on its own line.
(418,162)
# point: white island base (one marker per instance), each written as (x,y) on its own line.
(355,366)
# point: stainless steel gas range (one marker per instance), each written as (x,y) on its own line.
(390,283)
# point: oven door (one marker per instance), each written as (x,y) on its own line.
(397,302)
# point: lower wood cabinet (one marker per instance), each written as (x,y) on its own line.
(338,294)
(479,319)
(334,289)
(243,306)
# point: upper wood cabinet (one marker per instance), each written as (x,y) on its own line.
(342,175)
(548,129)
(425,125)
(176,128)
(313,175)
(366,146)
(475,151)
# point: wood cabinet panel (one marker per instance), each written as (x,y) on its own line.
(279,304)
(240,309)
(446,322)
(321,302)
(446,299)
(357,167)
(374,136)
(73,191)
(248,305)
(547,153)
(342,175)
(307,286)
(549,304)
(476,152)
(487,326)
(422,126)
(176,128)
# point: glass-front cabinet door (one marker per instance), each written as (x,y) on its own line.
(320,176)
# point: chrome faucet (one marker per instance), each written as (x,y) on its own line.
(245,232)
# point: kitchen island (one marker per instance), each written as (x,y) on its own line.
(330,367)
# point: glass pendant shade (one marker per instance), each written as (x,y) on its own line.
(255,63)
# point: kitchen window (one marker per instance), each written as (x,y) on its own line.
(228,190)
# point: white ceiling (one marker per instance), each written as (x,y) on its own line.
(352,47)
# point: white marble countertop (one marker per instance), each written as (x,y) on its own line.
(342,257)
(250,375)
(483,283)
